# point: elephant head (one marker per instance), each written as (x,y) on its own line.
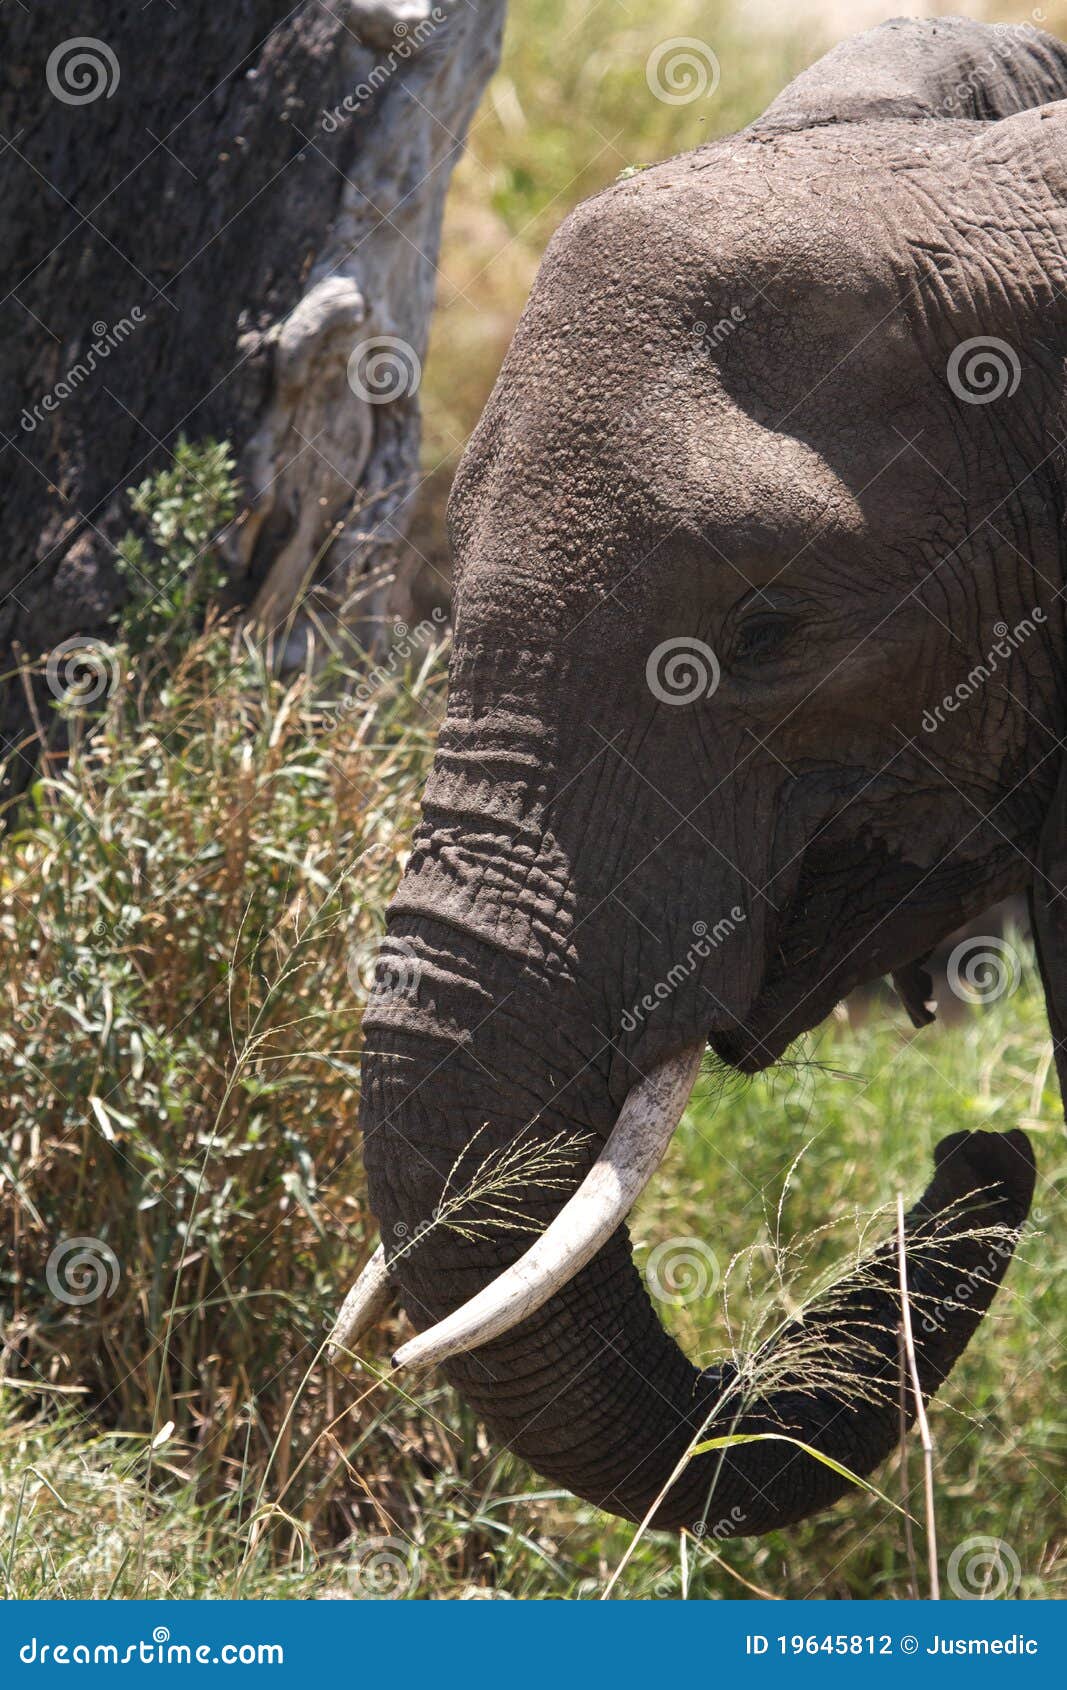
(756,695)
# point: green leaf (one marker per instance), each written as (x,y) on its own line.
(730,1440)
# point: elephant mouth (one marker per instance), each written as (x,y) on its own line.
(746,1054)
(630,1156)
(785,1009)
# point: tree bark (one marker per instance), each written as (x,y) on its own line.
(219,221)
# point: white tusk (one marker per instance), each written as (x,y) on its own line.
(364,1306)
(633,1152)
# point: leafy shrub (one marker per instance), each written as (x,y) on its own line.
(172,571)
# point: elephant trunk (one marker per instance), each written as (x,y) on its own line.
(473,1146)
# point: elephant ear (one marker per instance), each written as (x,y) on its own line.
(1033,147)
(1048,919)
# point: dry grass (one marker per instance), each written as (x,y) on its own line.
(188,909)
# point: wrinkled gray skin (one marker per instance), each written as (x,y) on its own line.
(807,496)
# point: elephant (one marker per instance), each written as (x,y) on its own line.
(772,479)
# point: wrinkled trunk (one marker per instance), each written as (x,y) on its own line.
(490,1086)
(592,1391)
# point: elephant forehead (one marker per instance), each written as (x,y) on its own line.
(703,354)
(749,513)
(751,491)
(606,476)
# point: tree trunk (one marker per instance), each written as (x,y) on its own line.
(219,221)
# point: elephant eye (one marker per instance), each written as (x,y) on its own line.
(761,636)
